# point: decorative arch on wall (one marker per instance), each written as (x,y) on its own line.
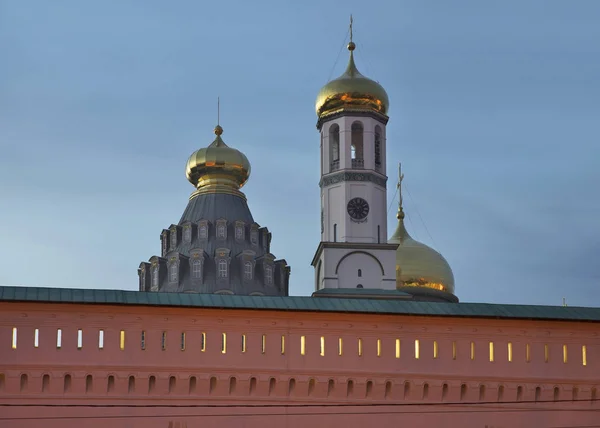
(360,252)
(229,292)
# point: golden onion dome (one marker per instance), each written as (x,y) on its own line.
(218,168)
(351,91)
(418,265)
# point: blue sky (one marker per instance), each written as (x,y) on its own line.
(494,115)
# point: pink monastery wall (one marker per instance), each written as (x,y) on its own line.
(247,368)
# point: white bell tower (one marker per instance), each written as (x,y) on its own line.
(353,252)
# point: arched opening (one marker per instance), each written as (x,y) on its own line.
(369,388)
(271,386)
(252,385)
(575,393)
(67,383)
(463,392)
(594,394)
(330,386)
(232,385)
(538,393)
(481,392)
(388,390)
(359,286)
(89,384)
(501,393)
(192,387)
(24,381)
(519,393)
(350,388)
(377,148)
(406,390)
(425,391)
(212,385)
(291,386)
(444,392)
(311,387)
(151,384)
(334,148)
(356,145)
(2,381)
(131,385)
(359,273)
(110,387)
(46,383)
(556,393)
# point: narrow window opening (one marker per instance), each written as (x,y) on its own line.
(360,350)
(519,393)
(172,384)
(212,385)
(89,384)
(330,387)
(252,386)
(192,386)
(243,343)
(203,342)
(481,392)
(501,393)
(282,344)
(223,343)
(575,393)
(463,392)
(406,390)
(58,338)
(565,354)
(594,394)
(163,341)
(131,385)
(335,233)
(24,382)
(272,384)
(222,268)
(556,393)
(122,340)
(425,391)
(369,388)
(454,350)
(584,355)
(67,383)
(388,390)
(110,387)
(360,273)
(79,339)
(379,347)
(417,349)
(291,386)
(472,350)
(527,353)
(322,347)
(101,339)
(509,352)
(263,344)
(378,234)
(397,348)
(46,383)
(14,338)
(196,269)
(350,388)
(36,338)
(143,340)
(311,387)
(435,349)
(546,354)
(302,345)
(151,384)
(491,352)
(444,392)
(340,346)
(183,341)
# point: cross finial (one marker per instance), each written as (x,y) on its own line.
(400,178)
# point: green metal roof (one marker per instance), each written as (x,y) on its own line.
(297,303)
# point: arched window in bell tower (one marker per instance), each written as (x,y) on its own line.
(377,148)
(334,147)
(356,145)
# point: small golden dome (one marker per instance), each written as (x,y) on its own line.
(351,91)
(418,265)
(217,168)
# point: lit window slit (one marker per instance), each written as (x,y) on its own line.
(122,340)
(340,346)
(263,344)
(36,338)
(379,347)
(322,347)
(435,349)
(14,338)
(417,349)
(79,339)
(100,339)
(243,343)
(223,343)
(58,338)
(302,345)
(360,349)
(282,344)
(183,341)
(397,348)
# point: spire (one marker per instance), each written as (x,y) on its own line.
(351,70)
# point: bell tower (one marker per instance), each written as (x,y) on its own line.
(352,119)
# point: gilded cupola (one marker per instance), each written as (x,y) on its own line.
(351,91)
(420,270)
(217,168)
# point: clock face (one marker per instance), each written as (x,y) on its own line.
(358,209)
